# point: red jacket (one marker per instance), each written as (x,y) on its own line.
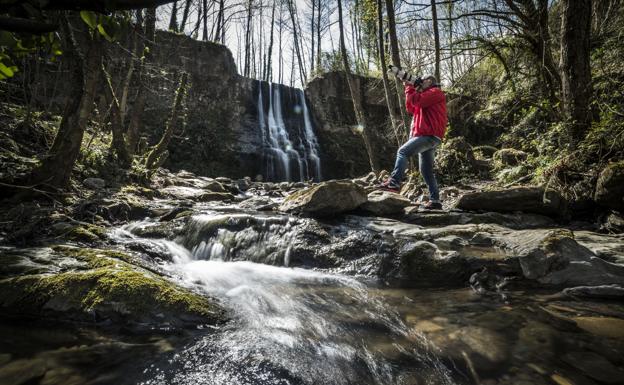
(429,110)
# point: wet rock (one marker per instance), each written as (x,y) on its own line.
(23,371)
(214,186)
(555,258)
(325,199)
(536,341)
(421,264)
(94,183)
(258,203)
(595,366)
(509,157)
(105,289)
(604,292)
(385,203)
(224,180)
(86,233)
(614,223)
(165,229)
(602,326)
(527,199)
(174,213)
(215,196)
(610,187)
(510,220)
(484,151)
(488,344)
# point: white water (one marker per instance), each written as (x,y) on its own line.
(289,325)
(280,154)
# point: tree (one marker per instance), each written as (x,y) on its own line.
(436,38)
(159,152)
(390,99)
(56,167)
(355,95)
(576,86)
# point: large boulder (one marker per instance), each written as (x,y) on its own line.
(326,199)
(527,199)
(610,187)
(553,257)
(385,203)
(102,286)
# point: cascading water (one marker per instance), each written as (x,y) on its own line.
(282,160)
(289,326)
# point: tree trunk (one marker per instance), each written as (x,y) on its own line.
(217,36)
(159,153)
(118,145)
(205,10)
(292,10)
(355,95)
(576,86)
(396,60)
(312,20)
(390,99)
(185,15)
(56,168)
(436,37)
(318,35)
(139,103)
(247,39)
(173,21)
(268,75)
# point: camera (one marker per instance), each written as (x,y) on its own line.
(404,76)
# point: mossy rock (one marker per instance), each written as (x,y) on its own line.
(87,233)
(507,157)
(108,289)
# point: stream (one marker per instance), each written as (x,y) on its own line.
(329,325)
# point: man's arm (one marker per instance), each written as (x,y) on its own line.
(424,99)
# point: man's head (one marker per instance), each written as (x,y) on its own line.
(429,81)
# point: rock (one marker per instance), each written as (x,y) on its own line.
(555,258)
(174,213)
(385,203)
(610,187)
(507,157)
(489,344)
(223,180)
(215,196)
(510,220)
(420,264)
(614,223)
(23,371)
(604,292)
(94,183)
(258,203)
(525,199)
(214,186)
(602,326)
(325,199)
(536,340)
(595,366)
(105,288)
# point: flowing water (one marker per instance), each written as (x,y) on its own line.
(306,326)
(283,161)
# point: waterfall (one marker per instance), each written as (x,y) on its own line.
(312,147)
(282,161)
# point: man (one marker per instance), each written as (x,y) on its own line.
(428,105)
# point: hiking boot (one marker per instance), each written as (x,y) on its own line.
(432,206)
(390,185)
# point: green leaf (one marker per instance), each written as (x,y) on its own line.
(7,39)
(6,71)
(90,18)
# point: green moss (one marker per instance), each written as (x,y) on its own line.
(550,242)
(87,233)
(109,288)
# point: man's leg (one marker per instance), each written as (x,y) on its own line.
(426,160)
(413,146)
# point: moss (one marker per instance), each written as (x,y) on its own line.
(110,288)
(550,242)
(184,213)
(87,233)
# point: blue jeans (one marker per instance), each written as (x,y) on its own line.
(424,146)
